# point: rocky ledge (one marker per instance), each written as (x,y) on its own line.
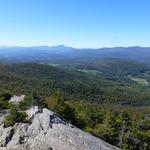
(47,132)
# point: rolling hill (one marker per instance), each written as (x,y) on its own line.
(47,54)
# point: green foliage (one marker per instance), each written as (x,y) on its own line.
(103,88)
(57,103)
(14,116)
(99,103)
(124,127)
(37,100)
(4,100)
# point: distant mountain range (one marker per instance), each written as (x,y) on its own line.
(61,52)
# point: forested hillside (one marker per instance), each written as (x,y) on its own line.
(106,98)
(76,84)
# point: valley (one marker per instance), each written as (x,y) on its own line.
(100,96)
(74,75)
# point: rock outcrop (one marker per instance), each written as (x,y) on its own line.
(17,99)
(47,132)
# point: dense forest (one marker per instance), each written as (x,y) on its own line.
(110,99)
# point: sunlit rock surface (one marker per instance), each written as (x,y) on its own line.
(47,132)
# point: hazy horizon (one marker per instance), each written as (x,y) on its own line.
(25,46)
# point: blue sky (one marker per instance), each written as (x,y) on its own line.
(76,23)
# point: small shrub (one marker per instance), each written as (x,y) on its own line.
(23,105)
(14,116)
(4,100)
(4,104)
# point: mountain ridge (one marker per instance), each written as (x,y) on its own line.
(46,54)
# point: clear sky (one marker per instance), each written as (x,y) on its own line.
(77,23)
